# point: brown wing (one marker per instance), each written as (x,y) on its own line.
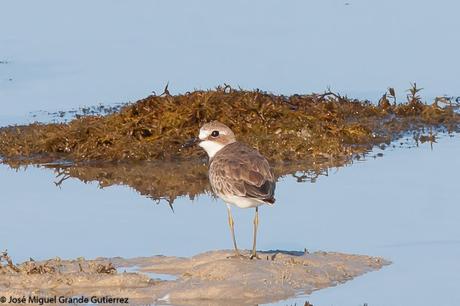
(242,171)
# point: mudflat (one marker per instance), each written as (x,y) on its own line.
(211,278)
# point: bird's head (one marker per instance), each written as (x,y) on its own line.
(213,137)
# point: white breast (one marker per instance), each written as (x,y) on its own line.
(211,147)
(241,202)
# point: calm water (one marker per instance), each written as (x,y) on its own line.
(62,55)
(403,206)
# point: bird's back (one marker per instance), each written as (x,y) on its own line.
(241,171)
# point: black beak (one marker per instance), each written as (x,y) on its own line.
(191,142)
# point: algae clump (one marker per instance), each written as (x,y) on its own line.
(283,128)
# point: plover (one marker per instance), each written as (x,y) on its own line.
(238,174)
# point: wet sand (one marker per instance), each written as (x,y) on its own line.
(211,278)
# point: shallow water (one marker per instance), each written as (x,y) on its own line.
(62,56)
(151,275)
(403,206)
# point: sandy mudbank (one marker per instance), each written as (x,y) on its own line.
(210,278)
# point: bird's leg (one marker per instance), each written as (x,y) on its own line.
(256,224)
(232,229)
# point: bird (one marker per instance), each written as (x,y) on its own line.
(238,174)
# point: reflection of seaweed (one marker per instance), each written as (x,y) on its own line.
(159,181)
(169,180)
(282,128)
(309,175)
(61,176)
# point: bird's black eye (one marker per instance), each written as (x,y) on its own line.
(215,133)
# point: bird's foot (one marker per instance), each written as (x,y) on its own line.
(254,255)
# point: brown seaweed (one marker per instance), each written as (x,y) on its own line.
(283,128)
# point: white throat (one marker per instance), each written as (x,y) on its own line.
(211,147)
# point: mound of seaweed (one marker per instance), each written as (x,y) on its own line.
(283,128)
